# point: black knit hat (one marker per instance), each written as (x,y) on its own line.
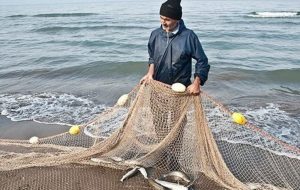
(171,9)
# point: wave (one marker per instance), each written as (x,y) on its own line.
(92,69)
(17,16)
(24,73)
(55,29)
(277,122)
(89,70)
(269,117)
(50,108)
(55,15)
(64,15)
(274,14)
(277,75)
(287,90)
(286,75)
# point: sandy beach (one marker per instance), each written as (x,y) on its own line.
(81,176)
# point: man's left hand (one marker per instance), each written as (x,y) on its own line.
(194,88)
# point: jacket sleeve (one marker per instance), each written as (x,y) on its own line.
(202,67)
(151,49)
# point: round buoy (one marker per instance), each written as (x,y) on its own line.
(239,118)
(34,140)
(178,87)
(74,130)
(122,100)
(4,112)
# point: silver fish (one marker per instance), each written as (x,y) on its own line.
(130,173)
(177,176)
(98,160)
(117,159)
(143,172)
(131,162)
(155,185)
(172,186)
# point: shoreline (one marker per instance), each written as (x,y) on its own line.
(23,130)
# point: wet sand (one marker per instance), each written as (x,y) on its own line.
(25,129)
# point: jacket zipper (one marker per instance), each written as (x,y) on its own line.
(167,39)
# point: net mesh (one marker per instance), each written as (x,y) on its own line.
(161,131)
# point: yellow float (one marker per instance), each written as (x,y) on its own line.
(239,118)
(74,130)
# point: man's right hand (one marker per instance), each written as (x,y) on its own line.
(146,79)
(149,76)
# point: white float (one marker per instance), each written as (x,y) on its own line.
(178,87)
(122,100)
(4,112)
(34,140)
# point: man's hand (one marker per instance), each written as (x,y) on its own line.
(149,76)
(146,79)
(194,88)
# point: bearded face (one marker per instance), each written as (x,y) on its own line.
(168,24)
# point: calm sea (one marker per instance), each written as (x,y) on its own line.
(66,61)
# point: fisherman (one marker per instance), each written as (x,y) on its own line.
(171,48)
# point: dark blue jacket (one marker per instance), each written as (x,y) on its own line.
(172,56)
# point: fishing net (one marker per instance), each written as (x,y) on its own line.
(162,131)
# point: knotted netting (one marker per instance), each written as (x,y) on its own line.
(162,131)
